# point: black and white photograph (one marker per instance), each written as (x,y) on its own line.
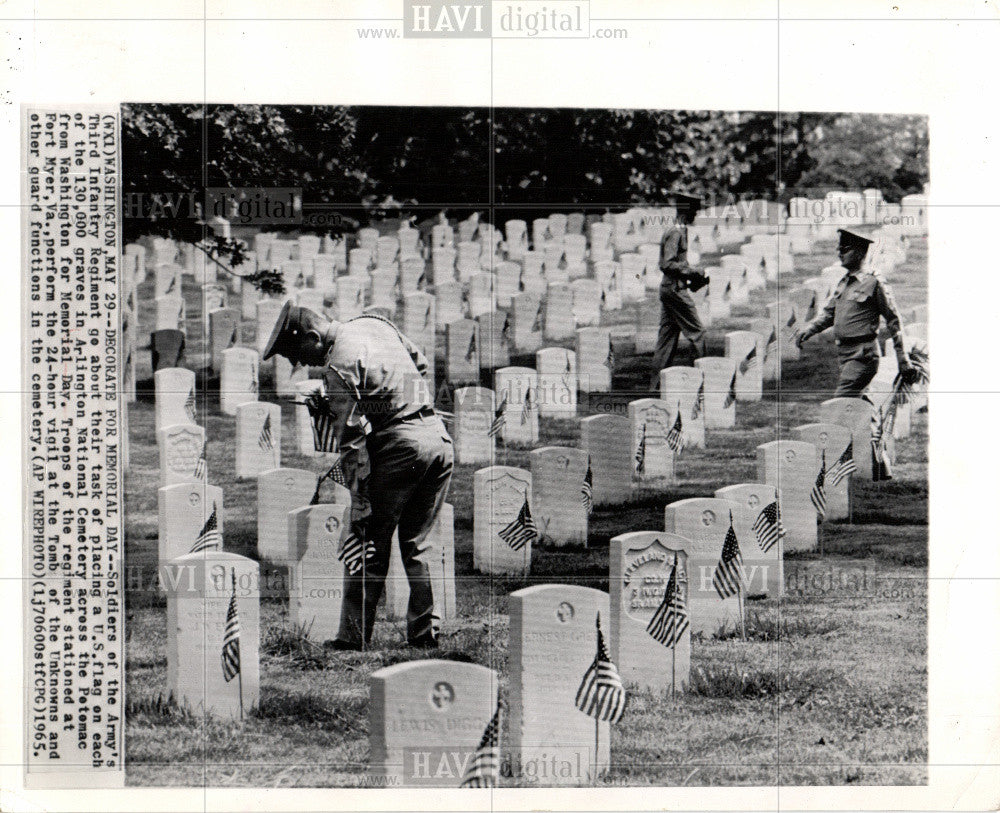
(544,447)
(605,445)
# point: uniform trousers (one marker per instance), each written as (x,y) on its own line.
(678,314)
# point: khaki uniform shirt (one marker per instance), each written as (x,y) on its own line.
(858,301)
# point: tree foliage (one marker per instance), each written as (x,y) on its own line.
(374,160)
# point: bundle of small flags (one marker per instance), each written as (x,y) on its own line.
(520,530)
(768,527)
(483,770)
(818,494)
(671,618)
(881,432)
(901,391)
(322,419)
(601,694)
(729,577)
(587,490)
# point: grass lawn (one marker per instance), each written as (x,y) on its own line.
(830,688)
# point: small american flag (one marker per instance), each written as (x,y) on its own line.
(699,402)
(569,367)
(671,618)
(189,405)
(731,395)
(601,694)
(499,418)
(322,420)
(521,530)
(728,291)
(172,285)
(768,527)
(471,351)
(335,473)
(818,494)
(254,382)
(791,320)
(539,322)
(771,341)
(675,437)
(750,361)
(505,331)
(729,576)
(232,338)
(640,453)
(587,490)
(231,639)
(526,407)
(354,553)
(484,767)
(844,466)
(609,362)
(266,439)
(209,537)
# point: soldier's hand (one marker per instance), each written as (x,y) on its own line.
(800,338)
(907,372)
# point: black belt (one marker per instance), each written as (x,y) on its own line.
(423,412)
(852,342)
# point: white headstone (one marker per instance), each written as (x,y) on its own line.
(278,492)
(746,349)
(607,440)
(557,382)
(224,332)
(182,454)
(495,333)
(258,438)
(559,322)
(518,386)
(831,440)
(176,400)
(594,359)
(317,575)
(200,592)
(640,566)
(557,473)
(448,303)
(419,321)
(684,388)
(652,458)
(425,720)
(791,466)
(553,640)
(764,569)
(462,352)
(856,415)
(704,522)
(499,495)
(183,511)
(720,391)
(239,381)
(474,414)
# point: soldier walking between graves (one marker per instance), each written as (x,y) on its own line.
(678,313)
(858,301)
(373,377)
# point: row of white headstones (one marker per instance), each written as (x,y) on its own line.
(639,562)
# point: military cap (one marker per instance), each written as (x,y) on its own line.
(682,200)
(850,239)
(286,334)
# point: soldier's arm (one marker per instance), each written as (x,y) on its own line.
(343,399)
(887,308)
(419,359)
(823,319)
(673,255)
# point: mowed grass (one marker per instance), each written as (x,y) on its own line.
(829,688)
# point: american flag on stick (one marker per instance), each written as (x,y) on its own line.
(749,361)
(844,466)
(520,530)
(818,494)
(671,618)
(499,418)
(266,439)
(731,395)
(335,473)
(609,362)
(791,320)
(231,666)
(699,402)
(675,437)
(587,490)
(471,351)
(189,405)
(354,552)
(208,537)
(484,767)
(881,459)
(640,453)
(200,465)
(768,527)
(526,406)
(729,577)
(601,694)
